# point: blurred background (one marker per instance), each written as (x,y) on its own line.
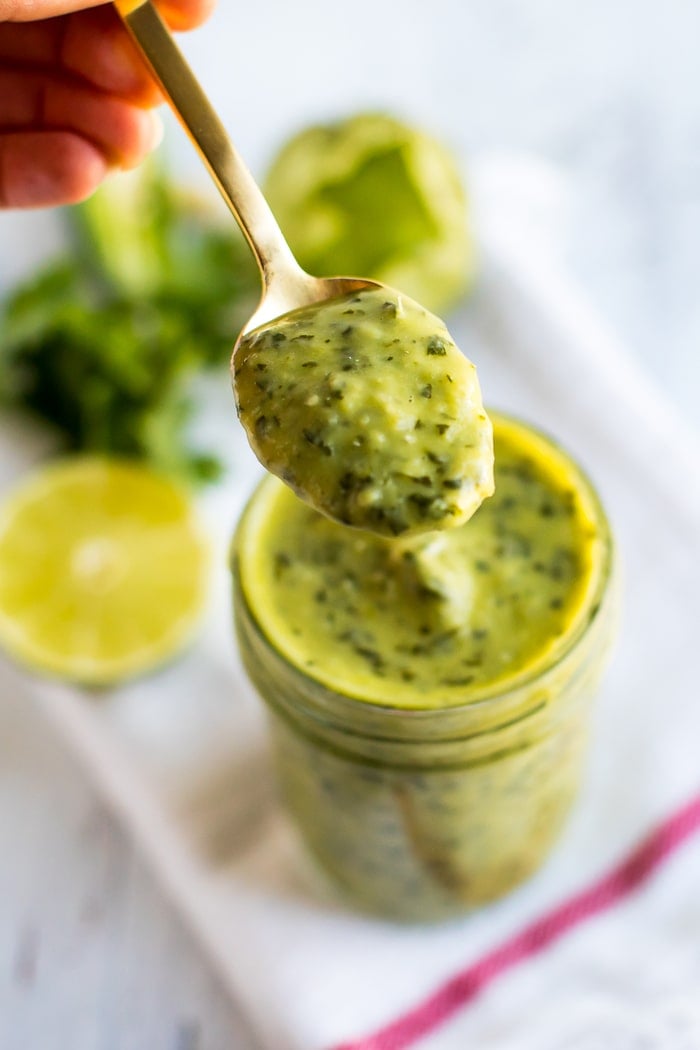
(607,94)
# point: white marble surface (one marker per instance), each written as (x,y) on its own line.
(91,957)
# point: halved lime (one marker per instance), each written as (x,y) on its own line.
(103,570)
(373,196)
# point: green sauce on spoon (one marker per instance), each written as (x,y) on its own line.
(367,409)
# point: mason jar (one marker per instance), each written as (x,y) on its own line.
(423,812)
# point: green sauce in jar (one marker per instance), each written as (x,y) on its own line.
(430,695)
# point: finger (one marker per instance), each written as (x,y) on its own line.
(185,14)
(180,14)
(124,133)
(92,44)
(46,168)
(36,10)
(35,42)
(96,46)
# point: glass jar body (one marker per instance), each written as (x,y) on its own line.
(419,816)
(420,804)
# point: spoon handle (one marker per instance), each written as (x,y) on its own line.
(192,107)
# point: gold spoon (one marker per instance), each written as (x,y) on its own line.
(285,286)
(289,439)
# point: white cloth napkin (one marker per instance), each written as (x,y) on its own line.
(182,757)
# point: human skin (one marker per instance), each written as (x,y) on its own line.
(76,100)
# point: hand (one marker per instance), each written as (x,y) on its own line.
(76,99)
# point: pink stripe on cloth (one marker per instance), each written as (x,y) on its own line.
(458,991)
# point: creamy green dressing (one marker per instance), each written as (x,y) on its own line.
(436,619)
(365,407)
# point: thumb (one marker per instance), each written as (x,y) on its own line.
(180,14)
(36,10)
